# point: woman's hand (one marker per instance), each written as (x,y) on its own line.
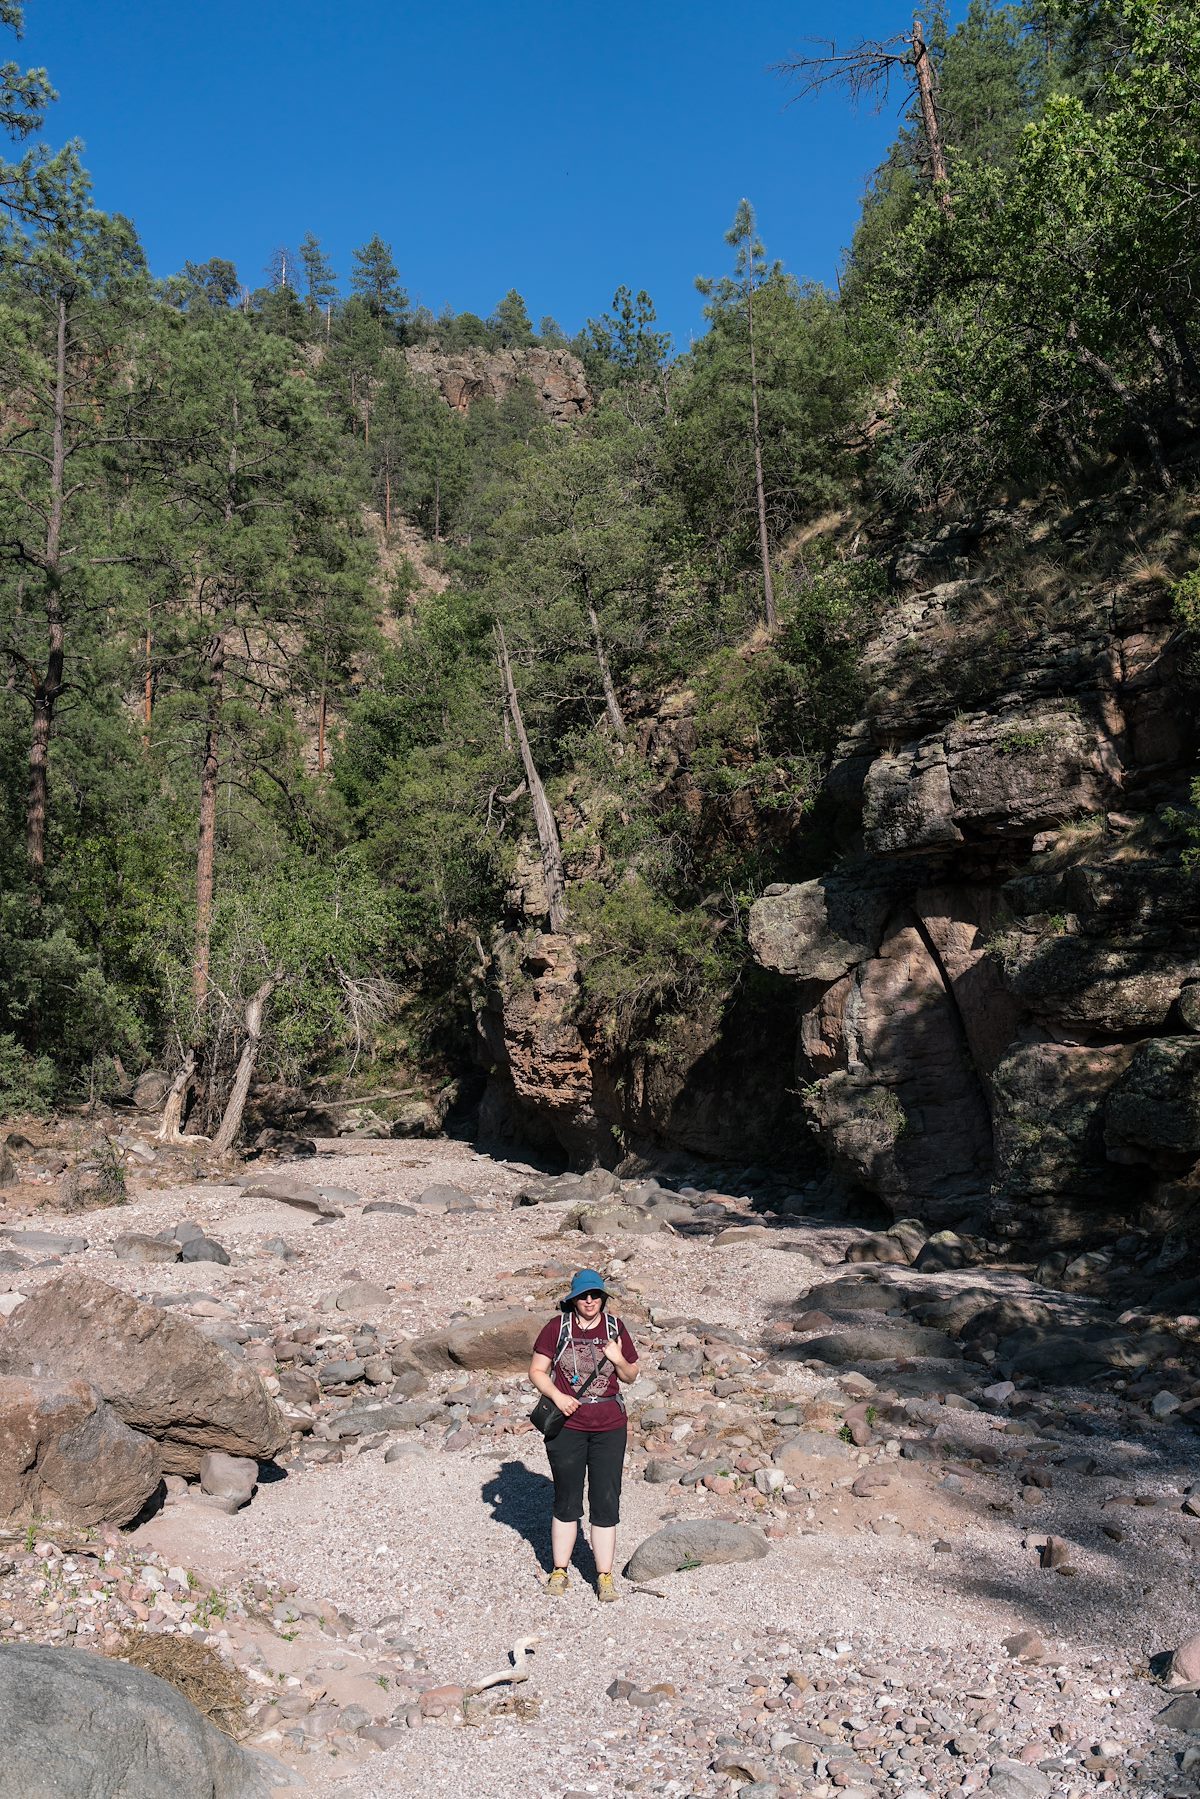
(566,1402)
(612,1352)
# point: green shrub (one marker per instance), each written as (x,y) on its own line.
(646,965)
(26,1082)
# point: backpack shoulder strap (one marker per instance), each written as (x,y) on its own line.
(564,1334)
(614,1336)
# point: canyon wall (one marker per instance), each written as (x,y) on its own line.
(985,1010)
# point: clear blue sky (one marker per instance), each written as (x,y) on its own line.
(560,149)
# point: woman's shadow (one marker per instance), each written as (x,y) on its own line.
(522,1500)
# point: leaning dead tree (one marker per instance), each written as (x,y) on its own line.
(231,1123)
(543,817)
(869,69)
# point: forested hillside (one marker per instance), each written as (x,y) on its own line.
(340,640)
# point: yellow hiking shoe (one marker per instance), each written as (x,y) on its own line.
(557,1583)
(606,1590)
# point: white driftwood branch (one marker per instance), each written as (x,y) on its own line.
(510,1676)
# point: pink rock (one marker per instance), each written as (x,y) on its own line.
(1185,1665)
(719,1483)
(65,1453)
(436,1700)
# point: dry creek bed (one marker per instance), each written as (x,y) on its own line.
(864,1654)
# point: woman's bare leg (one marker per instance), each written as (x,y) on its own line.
(604,1546)
(562,1541)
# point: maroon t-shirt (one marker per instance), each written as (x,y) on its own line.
(599,1409)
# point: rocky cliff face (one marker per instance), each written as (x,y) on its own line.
(723,1092)
(987,1011)
(465,376)
(998,986)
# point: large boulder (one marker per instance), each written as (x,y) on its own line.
(501,1342)
(907,802)
(1017,772)
(1091,981)
(846,1349)
(1153,1113)
(803,1447)
(692,1542)
(291,1192)
(159,1373)
(65,1454)
(77,1726)
(819,929)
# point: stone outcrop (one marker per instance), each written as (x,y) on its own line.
(65,1454)
(76,1726)
(998,987)
(464,376)
(157,1372)
(557,1082)
(543,1072)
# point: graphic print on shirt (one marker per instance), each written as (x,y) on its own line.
(579,1357)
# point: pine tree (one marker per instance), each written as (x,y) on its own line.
(750,270)
(623,342)
(510,323)
(67,287)
(320,280)
(375,279)
(35,187)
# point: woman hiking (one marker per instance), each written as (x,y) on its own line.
(585,1348)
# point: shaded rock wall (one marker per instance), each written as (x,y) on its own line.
(986,1009)
(998,985)
(723,1091)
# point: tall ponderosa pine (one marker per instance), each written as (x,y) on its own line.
(375,280)
(750,270)
(65,292)
(320,280)
(259,533)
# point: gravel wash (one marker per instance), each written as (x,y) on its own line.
(900,1639)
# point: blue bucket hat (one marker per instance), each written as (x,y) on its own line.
(586,1281)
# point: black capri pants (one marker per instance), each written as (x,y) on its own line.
(601,1455)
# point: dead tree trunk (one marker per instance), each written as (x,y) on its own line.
(231,1122)
(543,817)
(508,736)
(769,613)
(930,124)
(170,1124)
(48,685)
(1128,399)
(612,704)
(210,770)
(322,711)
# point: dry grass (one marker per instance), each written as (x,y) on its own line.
(1146,571)
(194,1669)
